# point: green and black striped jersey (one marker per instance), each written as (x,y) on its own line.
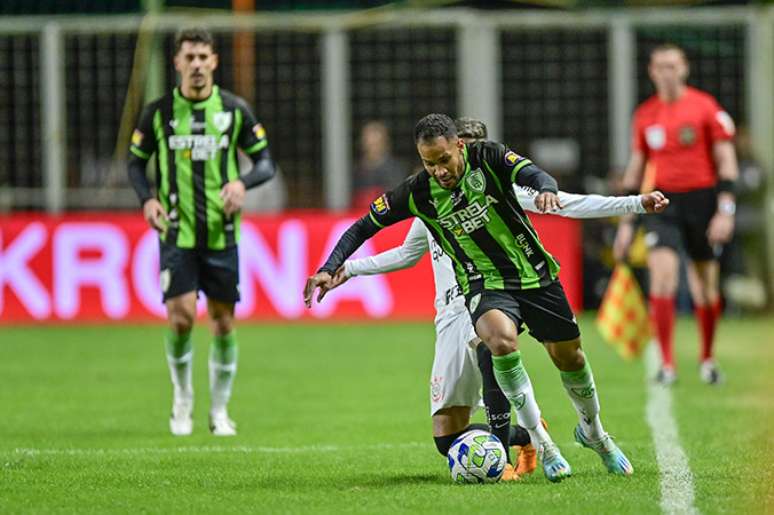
(479,224)
(196,143)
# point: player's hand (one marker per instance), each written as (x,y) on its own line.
(320,280)
(547,202)
(233,195)
(339,278)
(721,228)
(623,240)
(654,202)
(154,214)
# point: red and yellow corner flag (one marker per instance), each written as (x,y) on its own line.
(623,316)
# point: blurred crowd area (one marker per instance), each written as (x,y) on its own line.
(554,107)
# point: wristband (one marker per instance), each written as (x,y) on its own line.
(725,186)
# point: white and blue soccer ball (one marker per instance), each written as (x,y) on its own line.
(476,457)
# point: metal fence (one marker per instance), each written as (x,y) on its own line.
(73,85)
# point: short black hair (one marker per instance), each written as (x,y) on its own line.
(194,35)
(470,128)
(666,47)
(433,126)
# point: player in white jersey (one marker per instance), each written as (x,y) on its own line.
(460,363)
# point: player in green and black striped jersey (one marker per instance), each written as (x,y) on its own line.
(195,132)
(466,199)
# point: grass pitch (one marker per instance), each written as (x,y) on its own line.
(334,418)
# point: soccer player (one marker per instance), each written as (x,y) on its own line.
(465,198)
(455,386)
(195,132)
(685,137)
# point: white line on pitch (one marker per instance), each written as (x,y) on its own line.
(210,449)
(677,494)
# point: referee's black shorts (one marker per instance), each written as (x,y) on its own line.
(545,311)
(684,224)
(215,272)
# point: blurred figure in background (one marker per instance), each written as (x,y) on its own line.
(683,138)
(377,170)
(195,131)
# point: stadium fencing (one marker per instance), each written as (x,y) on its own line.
(561,86)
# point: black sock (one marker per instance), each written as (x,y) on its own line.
(519,436)
(498,408)
(444,443)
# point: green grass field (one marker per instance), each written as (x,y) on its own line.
(334,418)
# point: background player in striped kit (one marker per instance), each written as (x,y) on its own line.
(195,132)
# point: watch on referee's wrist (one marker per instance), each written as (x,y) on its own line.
(727,207)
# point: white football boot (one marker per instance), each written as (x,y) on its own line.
(181,420)
(221,424)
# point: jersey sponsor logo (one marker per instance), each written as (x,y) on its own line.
(725,121)
(687,135)
(476,180)
(451,294)
(222,120)
(468,219)
(381,205)
(522,242)
(259,131)
(511,158)
(655,137)
(137,137)
(198,147)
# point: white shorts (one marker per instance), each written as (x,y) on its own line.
(456,379)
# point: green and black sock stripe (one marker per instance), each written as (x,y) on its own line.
(198,178)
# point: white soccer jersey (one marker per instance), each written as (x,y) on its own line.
(448,297)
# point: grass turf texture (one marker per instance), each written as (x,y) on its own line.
(334,418)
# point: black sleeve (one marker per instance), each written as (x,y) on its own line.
(252,136)
(389,208)
(349,242)
(263,169)
(534,177)
(143,143)
(138,179)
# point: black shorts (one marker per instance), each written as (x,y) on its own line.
(545,311)
(683,225)
(215,272)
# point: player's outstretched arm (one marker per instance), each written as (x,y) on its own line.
(406,255)
(349,242)
(597,206)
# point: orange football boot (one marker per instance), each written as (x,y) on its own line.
(526,461)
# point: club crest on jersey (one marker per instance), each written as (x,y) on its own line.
(687,135)
(222,120)
(511,158)
(381,205)
(137,137)
(476,180)
(655,137)
(259,131)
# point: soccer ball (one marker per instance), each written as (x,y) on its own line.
(476,457)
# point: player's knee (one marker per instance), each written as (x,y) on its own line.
(567,356)
(223,324)
(180,321)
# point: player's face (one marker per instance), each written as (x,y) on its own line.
(668,70)
(196,63)
(443,160)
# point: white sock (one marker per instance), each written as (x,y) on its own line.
(583,394)
(180,372)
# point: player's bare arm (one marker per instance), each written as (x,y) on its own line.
(721,226)
(154,214)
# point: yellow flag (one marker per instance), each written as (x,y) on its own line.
(623,316)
